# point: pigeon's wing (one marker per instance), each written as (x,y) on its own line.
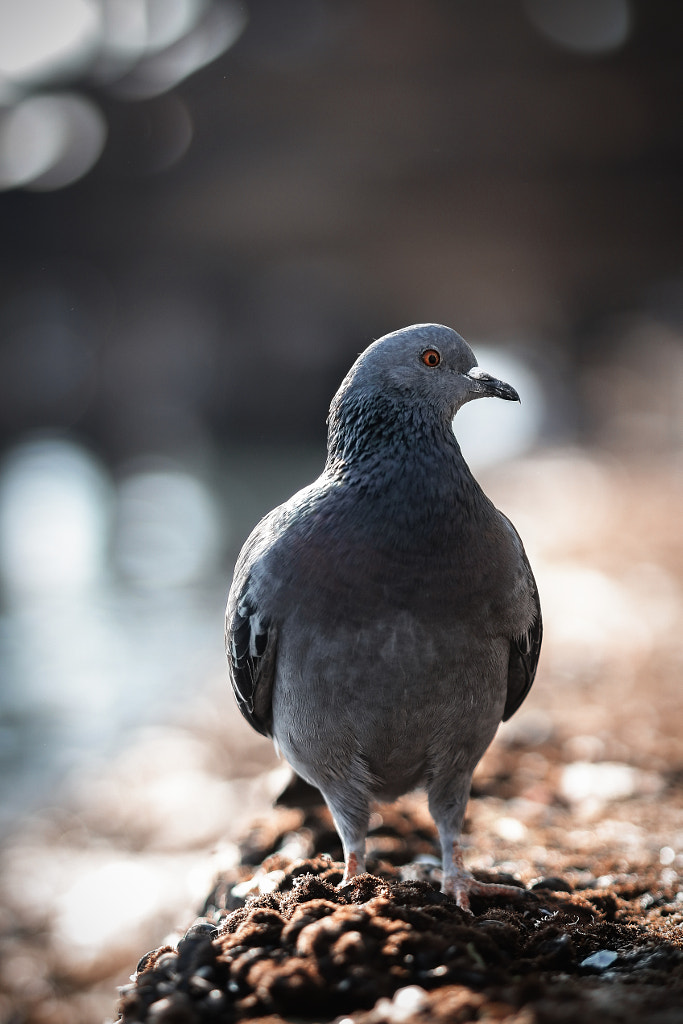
(251,623)
(525,649)
(250,644)
(524,654)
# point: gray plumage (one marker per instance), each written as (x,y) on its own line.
(384,620)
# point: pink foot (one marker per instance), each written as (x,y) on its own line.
(355,865)
(460,883)
(464,886)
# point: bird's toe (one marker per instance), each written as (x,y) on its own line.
(463,885)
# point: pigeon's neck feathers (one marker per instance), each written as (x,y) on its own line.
(380,441)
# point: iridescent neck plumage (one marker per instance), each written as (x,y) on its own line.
(388,446)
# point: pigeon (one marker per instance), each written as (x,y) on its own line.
(384,620)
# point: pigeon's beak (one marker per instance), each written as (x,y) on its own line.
(489,386)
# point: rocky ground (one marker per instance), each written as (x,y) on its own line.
(172,847)
(596,934)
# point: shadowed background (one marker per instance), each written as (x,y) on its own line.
(208,208)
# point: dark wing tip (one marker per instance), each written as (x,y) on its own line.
(524,654)
(249,644)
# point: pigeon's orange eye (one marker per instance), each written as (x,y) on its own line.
(430,357)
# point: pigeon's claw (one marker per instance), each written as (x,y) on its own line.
(466,885)
(458,882)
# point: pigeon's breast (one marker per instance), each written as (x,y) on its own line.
(401,692)
(350,574)
(394,653)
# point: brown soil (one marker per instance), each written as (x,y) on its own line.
(573,947)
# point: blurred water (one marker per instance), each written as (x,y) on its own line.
(111,610)
(112,603)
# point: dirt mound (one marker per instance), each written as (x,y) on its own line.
(388,947)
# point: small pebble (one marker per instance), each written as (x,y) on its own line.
(601,960)
(510,829)
(552,883)
(402,1008)
(436,972)
(200,985)
(204,972)
(411,999)
(415,872)
(199,930)
(157,1008)
(167,962)
(144,961)
(260,884)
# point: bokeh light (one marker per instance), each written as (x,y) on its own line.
(40,39)
(134,890)
(168,531)
(133,27)
(53,519)
(50,141)
(589,27)
(171,49)
(134,49)
(497,431)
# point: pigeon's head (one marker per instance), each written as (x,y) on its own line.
(427,365)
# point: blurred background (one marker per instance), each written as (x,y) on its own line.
(207,209)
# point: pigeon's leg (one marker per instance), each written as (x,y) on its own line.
(354,863)
(350,810)
(457,881)
(460,883)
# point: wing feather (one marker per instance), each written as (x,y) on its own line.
(250,647)
(525,649)
(524,655)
